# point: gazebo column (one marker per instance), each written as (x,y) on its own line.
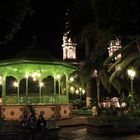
(58,77)
(67,87)
(18,83)
(59,85)
(54,85)
(27,91)
(18,88)
(4,87)
(40,89)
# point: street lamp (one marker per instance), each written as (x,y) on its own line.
(131,73)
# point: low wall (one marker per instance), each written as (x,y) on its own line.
(56,112)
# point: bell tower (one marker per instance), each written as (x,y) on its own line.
(114,45)
(69,48)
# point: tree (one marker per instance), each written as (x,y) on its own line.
(12,14)
(93,40)
(93,22)
(96,52)
(130,58)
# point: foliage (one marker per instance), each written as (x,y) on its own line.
(77,103)
(127,121)
(93,23)
(8,125)
(130,58)
(12,14)
(108,15)
(82,112)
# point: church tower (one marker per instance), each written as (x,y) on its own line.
(114,45)
(69,48)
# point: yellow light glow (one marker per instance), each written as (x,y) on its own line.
(71,79)
(58,76)
(0,100)
(38,74)
(77,91)
(131,73)
(83,91)
(33,74)
(72,88)
(26,75)
(34,79)
(15,84)
(0,77)
(41,84)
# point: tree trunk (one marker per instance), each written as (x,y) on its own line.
(87,50)
(98,91)
(88,94)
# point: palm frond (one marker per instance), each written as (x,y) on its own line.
(114,75)
(136,63)
(115,83)
(105,80)
(114,64)
(124,51)
(130,58)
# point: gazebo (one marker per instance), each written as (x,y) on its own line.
(31,80)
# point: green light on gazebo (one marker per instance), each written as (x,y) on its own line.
(51,75)
(26,75)
(0,79)
(35,74)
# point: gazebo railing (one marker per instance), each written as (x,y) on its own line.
(21,100)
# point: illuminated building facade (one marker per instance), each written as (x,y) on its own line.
(114,45)
(69,48)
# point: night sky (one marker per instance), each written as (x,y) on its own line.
(46,22)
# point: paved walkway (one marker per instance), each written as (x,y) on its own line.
(75,120)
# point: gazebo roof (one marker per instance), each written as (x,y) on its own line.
(35,61)
(35,52)
(35,58)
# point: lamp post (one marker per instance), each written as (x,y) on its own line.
(131,73)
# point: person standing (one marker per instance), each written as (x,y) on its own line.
(41,126)
(32,126)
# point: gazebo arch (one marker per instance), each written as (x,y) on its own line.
(63,85)
(11,88)
(22,87)
(48,86)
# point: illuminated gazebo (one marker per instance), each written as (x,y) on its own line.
(32,80)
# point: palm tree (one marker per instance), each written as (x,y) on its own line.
(91,23)
(130,58)
(95,43)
